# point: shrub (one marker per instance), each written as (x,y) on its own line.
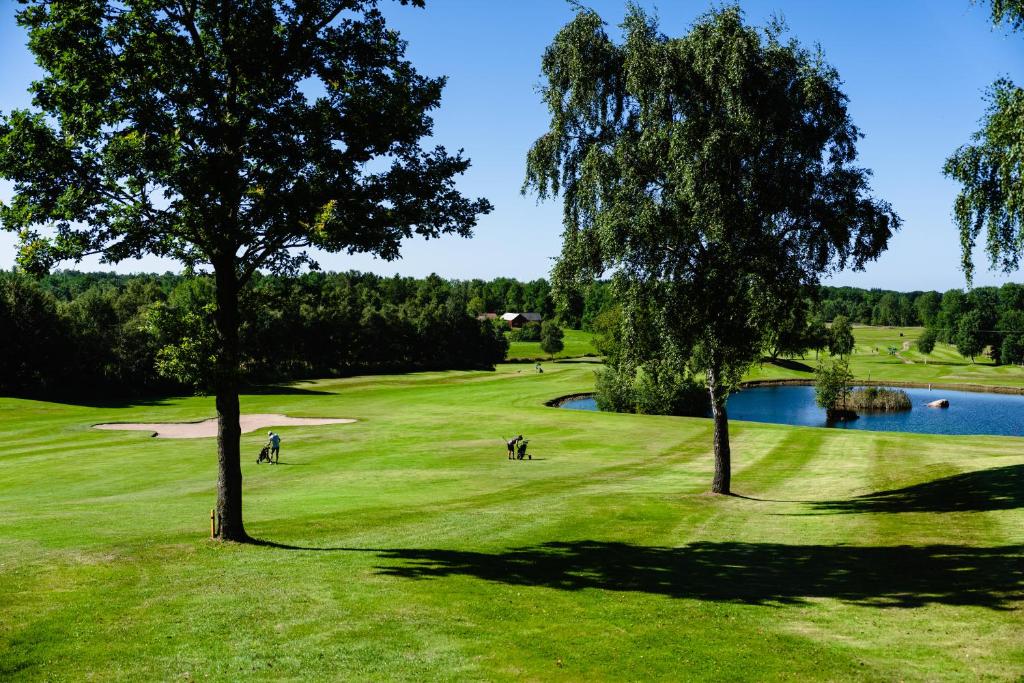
(530,332)
(650,389)
(614,391)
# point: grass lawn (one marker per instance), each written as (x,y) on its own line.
(943,366)
(412,549)
(577,343)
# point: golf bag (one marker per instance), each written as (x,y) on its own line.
(264,455)
(521,451)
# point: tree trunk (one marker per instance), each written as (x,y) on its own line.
(229,432)
(723,465)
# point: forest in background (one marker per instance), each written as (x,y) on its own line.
(75,334)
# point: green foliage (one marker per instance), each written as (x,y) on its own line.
(232,135)
(926,342)
(969,338)
(841,342)
(655,388)
(712,173)
(34,346)
(1009,12)
(793,335)
(832,384)
(1012,349)
(186,131)
(817,335)
(606,326)
(530,332)
(991,170)
(129,335)
(876,400)
(188,348)
(551,336)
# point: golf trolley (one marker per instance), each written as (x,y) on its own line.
(521,451)
(264,456)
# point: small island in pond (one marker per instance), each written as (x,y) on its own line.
(878,400)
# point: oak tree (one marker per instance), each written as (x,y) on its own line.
(230,135)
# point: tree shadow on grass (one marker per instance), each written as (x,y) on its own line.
(101,402)
(752,573)
(999,488)
(788,364)
(282,390)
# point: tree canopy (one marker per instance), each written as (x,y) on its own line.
(713,175)
(990,169)
(230,135)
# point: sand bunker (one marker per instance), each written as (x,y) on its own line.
(208,428)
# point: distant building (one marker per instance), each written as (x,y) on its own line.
(487,316)
(517,320)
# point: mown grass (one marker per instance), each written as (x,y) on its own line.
(410,548)
(577,343)
(871,361)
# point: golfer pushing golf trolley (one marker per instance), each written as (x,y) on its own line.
(517,448)
(271,452)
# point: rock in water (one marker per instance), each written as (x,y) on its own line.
(940,403)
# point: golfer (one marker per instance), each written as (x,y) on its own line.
(511,444)
(275,445)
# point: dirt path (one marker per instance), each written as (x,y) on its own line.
(208,428)
(906,347)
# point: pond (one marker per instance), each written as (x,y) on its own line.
(968,412)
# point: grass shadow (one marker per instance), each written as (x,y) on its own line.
(282,390)
(264,543)
(999,488)
(105,402)
(754,573)
(788,364)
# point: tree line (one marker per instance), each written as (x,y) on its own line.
(982,319)
(73,334)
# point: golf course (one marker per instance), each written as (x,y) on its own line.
(586,341)
(406,546)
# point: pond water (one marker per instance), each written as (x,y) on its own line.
(968,412)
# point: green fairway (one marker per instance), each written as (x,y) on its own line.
(871,360)
(409,547)
(577,343)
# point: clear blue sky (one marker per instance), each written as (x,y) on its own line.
(915,72)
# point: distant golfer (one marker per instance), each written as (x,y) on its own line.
(275,445)
(511,443)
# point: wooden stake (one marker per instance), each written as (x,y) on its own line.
(213,522)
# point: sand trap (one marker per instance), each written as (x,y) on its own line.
(208,428)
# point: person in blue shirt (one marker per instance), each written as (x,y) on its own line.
(275,445)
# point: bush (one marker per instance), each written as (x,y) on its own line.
(614,391)
(530,332)
(873,399)
(650,389)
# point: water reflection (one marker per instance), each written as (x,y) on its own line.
(968,412)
